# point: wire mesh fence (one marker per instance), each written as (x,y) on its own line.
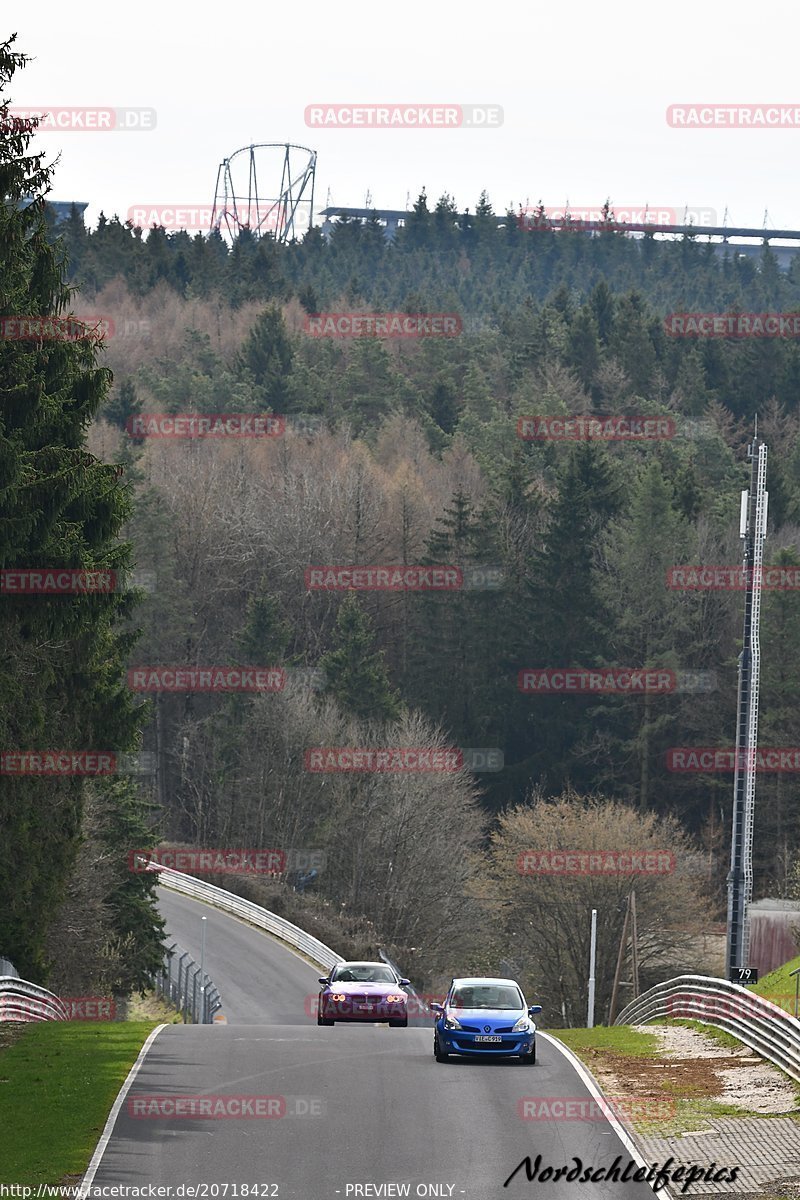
(179,981)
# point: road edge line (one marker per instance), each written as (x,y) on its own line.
(108,1128)
(591,1083)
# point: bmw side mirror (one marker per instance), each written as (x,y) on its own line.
(534,1009)
(323,980)
(404,982)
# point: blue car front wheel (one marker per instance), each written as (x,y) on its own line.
(439,1054)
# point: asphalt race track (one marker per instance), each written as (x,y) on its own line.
(352,1110)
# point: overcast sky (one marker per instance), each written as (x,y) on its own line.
(584,90)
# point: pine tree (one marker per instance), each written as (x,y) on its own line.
(123,405)
(568,624)
(62,677)
(354,670)
(266,357)
(651,627)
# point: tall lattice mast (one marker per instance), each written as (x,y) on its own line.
(753,531)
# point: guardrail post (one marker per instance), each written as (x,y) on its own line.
(183,988)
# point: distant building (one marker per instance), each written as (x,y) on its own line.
(741,242)
(61,208)
(390,218)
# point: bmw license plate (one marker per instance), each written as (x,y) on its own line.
(490,1038)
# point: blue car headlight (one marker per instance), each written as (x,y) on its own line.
(450,1022)
(524,1025)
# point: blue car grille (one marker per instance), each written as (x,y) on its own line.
(480,1029)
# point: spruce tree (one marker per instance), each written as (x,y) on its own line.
(62,681)
(355,671)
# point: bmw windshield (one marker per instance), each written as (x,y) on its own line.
(366,973)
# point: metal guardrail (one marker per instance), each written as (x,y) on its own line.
(23,1001)
(756,1022)
(319,954)
(179,981)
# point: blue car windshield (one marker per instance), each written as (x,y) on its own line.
(487,996)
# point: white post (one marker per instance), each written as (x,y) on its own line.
(202,970)
(592,953)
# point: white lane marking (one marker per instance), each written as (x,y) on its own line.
(108,1129)
(596,1094)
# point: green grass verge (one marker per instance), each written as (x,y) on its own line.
(779,986)
(621,1039)
(58,1081)
(682,1113)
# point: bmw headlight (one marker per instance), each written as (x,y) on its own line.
(451,1023)
(523,1025)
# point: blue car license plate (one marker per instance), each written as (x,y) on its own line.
(491,1038)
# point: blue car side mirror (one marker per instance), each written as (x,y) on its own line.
(437,1008)
(534,1009)
(323,980)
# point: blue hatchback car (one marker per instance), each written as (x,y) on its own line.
(485,1018)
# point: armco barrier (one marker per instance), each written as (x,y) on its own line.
(319,954)
(23,1001)
(756,1022)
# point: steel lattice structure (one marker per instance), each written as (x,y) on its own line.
(239,204)
(753,531)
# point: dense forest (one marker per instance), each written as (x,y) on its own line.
(398,451)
